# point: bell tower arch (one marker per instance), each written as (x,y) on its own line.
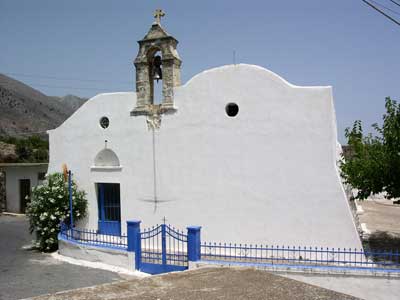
(157,60)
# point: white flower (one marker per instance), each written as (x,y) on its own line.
(60,196)
(52,217)
(52,230)
(52,200)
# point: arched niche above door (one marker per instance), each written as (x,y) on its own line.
(106,159)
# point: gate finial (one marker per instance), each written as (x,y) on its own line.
(164,220)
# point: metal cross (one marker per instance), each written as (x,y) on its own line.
(155,201)
(158,14)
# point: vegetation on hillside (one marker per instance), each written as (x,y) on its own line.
(31,149)
(373,163)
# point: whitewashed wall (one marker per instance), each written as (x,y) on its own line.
(266,176)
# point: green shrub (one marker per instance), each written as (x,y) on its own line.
(49,206)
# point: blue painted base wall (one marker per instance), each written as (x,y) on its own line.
(159,269)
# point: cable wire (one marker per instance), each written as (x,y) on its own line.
(61,87)
(388,8)
(63,78)
(395,2)
(382,12)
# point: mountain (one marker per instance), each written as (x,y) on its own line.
(73,102)
(25,111)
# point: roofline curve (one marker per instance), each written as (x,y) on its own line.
(272,74)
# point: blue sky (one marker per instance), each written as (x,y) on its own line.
(89,46)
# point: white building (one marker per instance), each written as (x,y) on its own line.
(18,180)
(237,150)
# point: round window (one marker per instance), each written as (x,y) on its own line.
(104,122)
(232,109)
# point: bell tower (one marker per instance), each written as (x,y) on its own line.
(157,60)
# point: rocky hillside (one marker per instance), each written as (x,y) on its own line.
(24,110)
(71,101)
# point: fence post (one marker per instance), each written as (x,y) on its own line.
(71,216)
(134,244)
(194,244)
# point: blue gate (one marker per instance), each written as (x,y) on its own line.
(163,249)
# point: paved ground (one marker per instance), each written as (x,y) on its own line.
(368,288)
(380,215)
(208,283)
(26,273)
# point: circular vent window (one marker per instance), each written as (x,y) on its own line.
(104,122)
(232,109)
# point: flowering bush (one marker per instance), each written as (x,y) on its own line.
(49,206)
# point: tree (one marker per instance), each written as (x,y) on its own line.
(31,149)
(49,206)
(373,163)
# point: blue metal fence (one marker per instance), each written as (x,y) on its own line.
(93,237)
(172,249)
(306,256)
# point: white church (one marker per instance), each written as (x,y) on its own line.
(237,150)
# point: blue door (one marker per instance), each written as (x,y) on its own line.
(108,198)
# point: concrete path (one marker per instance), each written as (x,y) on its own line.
(26,273)
(368,288)
(207,283)
(380,215)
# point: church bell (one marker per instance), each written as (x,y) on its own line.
(157,72)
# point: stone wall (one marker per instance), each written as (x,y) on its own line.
(2,190)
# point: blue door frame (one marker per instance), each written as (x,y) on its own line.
(109,205)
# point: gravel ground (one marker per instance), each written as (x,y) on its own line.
(207,283)
(27,273)
(368,288)
(380,215)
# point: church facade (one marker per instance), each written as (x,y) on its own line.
(237,150)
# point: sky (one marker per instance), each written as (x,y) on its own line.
(87,47)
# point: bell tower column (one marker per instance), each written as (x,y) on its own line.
(157,59)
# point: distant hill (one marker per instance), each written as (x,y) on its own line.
(73,102)
(24,110)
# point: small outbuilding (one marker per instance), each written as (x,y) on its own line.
(16,183)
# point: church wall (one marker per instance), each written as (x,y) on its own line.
(266,176)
